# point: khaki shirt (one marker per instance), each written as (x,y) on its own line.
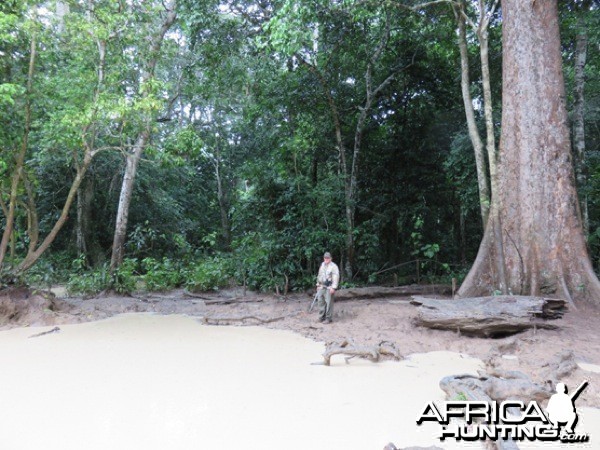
(329,272)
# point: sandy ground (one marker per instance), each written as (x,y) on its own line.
(361,322)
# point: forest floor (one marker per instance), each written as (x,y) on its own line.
(570,353)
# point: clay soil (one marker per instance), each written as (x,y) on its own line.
(546,356)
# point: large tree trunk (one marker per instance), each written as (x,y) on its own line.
(539,221)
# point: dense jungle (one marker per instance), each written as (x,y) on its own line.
(155,145)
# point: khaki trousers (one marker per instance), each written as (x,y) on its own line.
(325,304)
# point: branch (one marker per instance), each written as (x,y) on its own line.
(32,218)
(416,8)
(384,40)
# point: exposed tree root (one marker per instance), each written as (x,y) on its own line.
(374,354)
(562,365)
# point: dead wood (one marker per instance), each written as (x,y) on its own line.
(488,316)
(374,353)
(228,301)
(243,320)
(43,333)
(377,292)
(561,366)
(192,294)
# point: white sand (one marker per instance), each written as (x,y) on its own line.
(140,381)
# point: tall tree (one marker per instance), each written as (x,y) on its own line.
(482,177)
(67,117)
(300,29)
(133,157)
(538,211)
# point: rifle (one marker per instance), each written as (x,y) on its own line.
(312,305)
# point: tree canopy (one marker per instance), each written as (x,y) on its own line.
(268,132)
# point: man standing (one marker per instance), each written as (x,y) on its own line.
(327,283)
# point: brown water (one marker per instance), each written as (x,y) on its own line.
(141,381)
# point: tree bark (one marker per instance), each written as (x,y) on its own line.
(540,228)
(134,157)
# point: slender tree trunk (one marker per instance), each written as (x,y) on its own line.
(544,246)
(579,118)
(33,229)
(495,219)
(85,196)
(131,165)
(314,170)
(20,157)
(33,255)
(134,157)
(80,225)
(463,235)
(482,178)
(348,200)
(222,198)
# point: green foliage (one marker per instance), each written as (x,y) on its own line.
(89,283)
(209,274)
(123,280)
(235,104)
(163,275)
(50,271)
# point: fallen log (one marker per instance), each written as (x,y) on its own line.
(377,292)
(243,320)
(488,316)
(228,301)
